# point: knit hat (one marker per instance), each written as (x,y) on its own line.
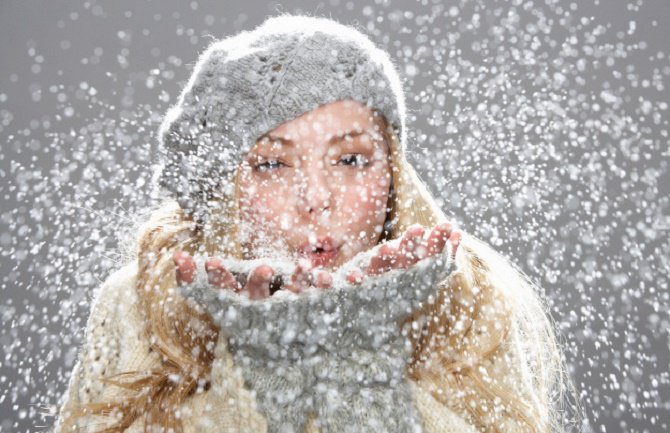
(245,85)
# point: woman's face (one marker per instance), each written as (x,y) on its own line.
(317,186)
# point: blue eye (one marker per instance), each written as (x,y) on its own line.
(354,160)
(268,165)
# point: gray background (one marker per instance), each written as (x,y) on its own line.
(541,126)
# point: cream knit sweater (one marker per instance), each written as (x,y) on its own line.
(115,343)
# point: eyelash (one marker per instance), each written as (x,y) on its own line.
(357,159)
(265,166)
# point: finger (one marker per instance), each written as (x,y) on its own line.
(391,254)
(219,276)
(411,246)
(386,257)
(323,280)
(301,278)
(455,240)
(258,283)
(185,267)
(355,276)
(437,238)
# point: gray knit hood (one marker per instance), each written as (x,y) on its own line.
(247,84)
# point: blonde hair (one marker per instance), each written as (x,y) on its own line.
(485,348)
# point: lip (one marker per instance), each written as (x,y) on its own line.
(320,253)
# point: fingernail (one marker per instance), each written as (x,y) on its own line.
(266,273)
(415,227)
(444,226)
(212,263)
(214,276)
(324,279)
(177,256)
(355,276)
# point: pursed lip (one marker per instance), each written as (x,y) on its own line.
(320,253)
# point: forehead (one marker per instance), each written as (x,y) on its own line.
(327,120)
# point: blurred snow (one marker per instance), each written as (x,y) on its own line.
(541,125)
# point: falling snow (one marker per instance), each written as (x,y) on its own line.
(541,127)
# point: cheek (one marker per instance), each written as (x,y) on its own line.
(255,201)
(259,205)
(365,200)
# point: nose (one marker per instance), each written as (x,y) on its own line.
(314,196)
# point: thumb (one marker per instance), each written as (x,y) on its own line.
(185,267)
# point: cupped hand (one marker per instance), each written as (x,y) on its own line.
(256,287)
(413,246)
(258,282)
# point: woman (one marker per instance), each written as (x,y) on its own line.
(287,146)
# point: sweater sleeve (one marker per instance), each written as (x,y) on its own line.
(113,320)
(437,417)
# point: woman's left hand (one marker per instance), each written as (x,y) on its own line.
(412,248)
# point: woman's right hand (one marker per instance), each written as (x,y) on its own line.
(258,282)
(257,286)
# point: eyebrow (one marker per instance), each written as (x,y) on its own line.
(336,137)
